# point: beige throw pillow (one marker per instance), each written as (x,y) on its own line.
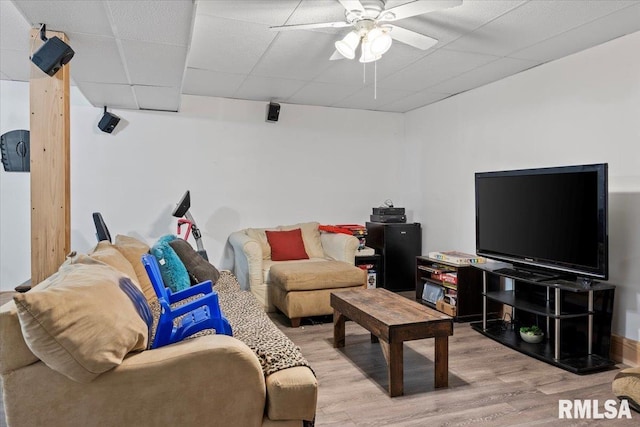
(260,236)
(107,253)
(81,323)
(310,237)
(133,249)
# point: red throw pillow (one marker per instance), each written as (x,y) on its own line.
(286,245)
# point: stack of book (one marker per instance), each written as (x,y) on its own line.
(457,258)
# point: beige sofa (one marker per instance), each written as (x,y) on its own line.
(252,255)
(73,353)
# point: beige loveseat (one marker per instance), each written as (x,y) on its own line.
(73,353)
(252,255)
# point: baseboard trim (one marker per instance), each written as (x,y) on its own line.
(625,350)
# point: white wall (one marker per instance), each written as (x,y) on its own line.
(581,109)
(333,165)
(324,164)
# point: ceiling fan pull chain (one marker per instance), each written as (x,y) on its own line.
(375,80)
(364,74)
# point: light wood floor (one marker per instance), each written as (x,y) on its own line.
(489,384)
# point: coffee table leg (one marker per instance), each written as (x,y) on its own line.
(338,329)
(441,370)
(395,369)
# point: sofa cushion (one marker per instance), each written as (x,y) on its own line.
(318,275)
(174,273)
(259,235)
(107,253)
(292,394)
(199,269)
(286,245)
(82,321)
(133,249)
(310,237)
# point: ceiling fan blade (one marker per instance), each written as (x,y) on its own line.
(340,24)
(336,55)
(352,5)
(415,8)
(411,37)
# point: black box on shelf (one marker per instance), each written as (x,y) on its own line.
(388,218)
(385,210)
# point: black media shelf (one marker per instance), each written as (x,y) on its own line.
(544,350)
(575,316)
(547,309)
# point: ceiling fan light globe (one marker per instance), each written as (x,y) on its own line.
(381,44)
(367,55)
(347,46)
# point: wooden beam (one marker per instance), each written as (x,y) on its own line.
(50,158)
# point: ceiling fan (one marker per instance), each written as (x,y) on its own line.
(371,27)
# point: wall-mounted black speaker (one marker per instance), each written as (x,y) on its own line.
(52,55)
(273,112)
(108,122)
(14,146)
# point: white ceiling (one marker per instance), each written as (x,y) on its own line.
(139,54)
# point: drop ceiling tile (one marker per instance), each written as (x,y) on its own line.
(14,29)
(441,65)
(286,59)
(216,45)
(167,21)
(313,11)
(111,95)
(364,98)
(449,24)
(154,64)
(317,93)
(267,89)
(97,60)
(68,16)
(255,11)
(484,74)
(15,64)
(625,21)
(211,83)
(414,101)
(513,31)
(157,98)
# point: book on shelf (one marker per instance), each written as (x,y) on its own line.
(458,258)
(435,268)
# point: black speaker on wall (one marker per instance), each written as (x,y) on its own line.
(108,122)
(14,146)
(52,55)
(273,112)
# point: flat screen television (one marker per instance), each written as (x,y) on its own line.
(546,220)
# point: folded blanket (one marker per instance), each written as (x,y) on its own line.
(252,326)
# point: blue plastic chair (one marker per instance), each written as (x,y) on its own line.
(199,314)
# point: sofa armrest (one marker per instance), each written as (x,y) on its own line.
(340,246)
(214,378)
(247,255)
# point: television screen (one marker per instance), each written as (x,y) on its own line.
(549,218)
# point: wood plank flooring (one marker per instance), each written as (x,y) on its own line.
(489,384)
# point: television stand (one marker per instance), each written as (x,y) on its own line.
(576,319)
(532,275)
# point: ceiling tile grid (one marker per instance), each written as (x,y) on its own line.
(211,83)
(145,53)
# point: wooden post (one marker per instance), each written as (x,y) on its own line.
(50,158)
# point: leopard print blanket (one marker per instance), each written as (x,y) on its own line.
(252,326)
(249,323)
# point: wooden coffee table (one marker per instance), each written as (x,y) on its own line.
(393,320)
